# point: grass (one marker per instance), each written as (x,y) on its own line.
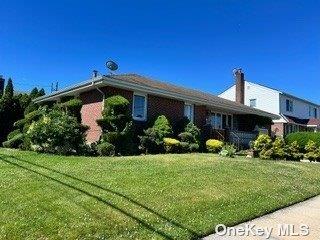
(142,197)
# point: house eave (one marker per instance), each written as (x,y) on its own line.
(115,82)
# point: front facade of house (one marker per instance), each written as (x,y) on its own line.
(296,114)
(218,117)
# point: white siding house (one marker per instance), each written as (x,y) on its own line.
(296,114)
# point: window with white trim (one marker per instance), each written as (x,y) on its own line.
(139,108)
(310,111)
(253,102)
(188,111)
(289,105)
(315,113)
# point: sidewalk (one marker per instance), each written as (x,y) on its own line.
(307,212)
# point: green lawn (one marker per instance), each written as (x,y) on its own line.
(142,197)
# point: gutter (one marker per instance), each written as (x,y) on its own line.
(106,80)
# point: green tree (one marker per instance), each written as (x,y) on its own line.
(7,111)
(41,92)
(34,93)
(8,91)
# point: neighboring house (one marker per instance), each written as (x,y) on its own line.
(296,114)
(149,99)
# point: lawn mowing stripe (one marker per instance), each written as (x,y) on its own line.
(137,219)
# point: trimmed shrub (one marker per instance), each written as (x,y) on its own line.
(194,131)
(73,107)
(184,147)
(266,154)
(214,145)
(15,142)
(116,124)
(105,149)
(193,147)
(152,141)
(186,137)
(263,142)
(190,138)
(171,145)
(312,151)
(228,150)
(302,138)
(293,152)
(279,148)
(56,132)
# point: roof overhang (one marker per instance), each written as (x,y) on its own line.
(119,83)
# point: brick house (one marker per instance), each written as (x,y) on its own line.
(295,114)
(149,98)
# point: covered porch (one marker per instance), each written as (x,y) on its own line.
(235,127)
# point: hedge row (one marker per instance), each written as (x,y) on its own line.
(302,138)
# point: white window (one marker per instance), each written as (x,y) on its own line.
(218,121)
(253,102)
(139,111)
(188,111)
(212,119)
(289,105)
(310,111)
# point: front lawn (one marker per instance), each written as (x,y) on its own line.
(141,197)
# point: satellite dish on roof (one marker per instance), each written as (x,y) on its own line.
(111,65)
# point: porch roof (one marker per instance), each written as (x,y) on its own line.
(311,122)
(136,82)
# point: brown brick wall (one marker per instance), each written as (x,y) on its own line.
(90,112)
(92,108)
(277,129)
(172,109)
(200,115)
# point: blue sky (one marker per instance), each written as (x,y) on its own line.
(191,43)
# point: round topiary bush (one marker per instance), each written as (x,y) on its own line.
(171,145)
(105,149)
(214,145)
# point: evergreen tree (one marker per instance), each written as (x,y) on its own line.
(34,93)
(41,92)
(7,110)
(8,91)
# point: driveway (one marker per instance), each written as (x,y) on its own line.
(300,218)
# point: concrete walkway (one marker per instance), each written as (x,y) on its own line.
(307,212)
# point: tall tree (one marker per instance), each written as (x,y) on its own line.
(7,110)
(8,91)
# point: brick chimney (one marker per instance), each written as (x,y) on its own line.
(239,75)
(1,85)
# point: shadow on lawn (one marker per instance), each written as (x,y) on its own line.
(194,235)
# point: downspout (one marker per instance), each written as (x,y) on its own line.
(95,75)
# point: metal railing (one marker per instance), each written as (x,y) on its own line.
(238,140)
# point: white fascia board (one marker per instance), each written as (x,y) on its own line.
(106,81)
